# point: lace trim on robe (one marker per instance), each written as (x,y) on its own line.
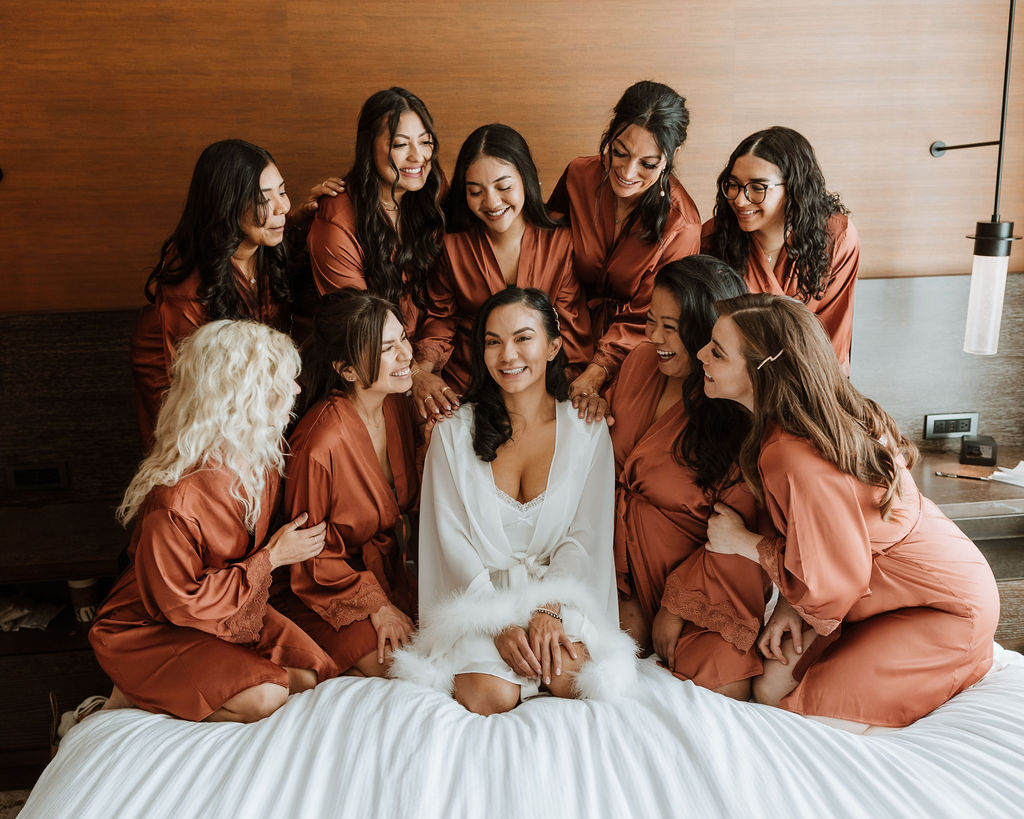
(823,627)
(246,623)
(694,607)
(508,500)
(768,549)
(367,599)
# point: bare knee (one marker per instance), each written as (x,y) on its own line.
(486,695)
(632,621)
(562,685)
(300,679)
(258,702)
(367,666)
(738,690)
(774,684)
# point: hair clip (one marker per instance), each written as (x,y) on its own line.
(770,358)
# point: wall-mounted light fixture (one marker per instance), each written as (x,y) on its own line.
(992,242)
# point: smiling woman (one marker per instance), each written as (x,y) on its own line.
(384,232)
(528,603)
(225,259)
(500,234)
(777,224)
(353,467)
(629,216)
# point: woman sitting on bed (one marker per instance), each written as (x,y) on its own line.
(186,630)
(517,585)
(675,454)
(886,609)
(353,467)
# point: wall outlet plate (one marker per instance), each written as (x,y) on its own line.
(950,425)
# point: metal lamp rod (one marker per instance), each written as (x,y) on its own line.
(1002,122)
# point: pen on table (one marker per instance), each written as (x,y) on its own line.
(965,477)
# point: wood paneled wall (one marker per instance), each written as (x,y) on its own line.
(107,103)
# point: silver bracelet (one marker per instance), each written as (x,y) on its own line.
(549,613)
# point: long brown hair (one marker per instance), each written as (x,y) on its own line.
(804,392)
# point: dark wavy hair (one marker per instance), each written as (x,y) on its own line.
(662,112)
(347,332)
(492,426)
(808,209)
(225,187)
(709,443)
(507,144)
(804,392)
(387,254)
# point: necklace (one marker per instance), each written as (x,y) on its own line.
(389,209)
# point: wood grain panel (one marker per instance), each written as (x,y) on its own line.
(107,104)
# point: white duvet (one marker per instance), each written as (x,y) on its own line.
(375,748)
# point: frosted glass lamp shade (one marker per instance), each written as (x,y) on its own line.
(992,241)
(985,306)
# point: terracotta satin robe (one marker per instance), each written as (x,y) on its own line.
(337,257)
(334,476)
(835,308)
(176,314)
(661,527)
(187,626)
(617,274)
(905,608)
(468,274)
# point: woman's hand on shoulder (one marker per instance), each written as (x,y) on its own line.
(293,544)
(585,397)
(331,186)
(432,397)
(393,627)
(515,651)
(546,637)
(665,634)
(729,535)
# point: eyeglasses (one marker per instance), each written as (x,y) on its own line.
(754,191)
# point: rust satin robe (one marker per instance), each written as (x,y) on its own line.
(337,257)
(905,609)
(617,274)
(468,274)
(661,527)
(176,314)
(187,626)
(835,308)
(334,476)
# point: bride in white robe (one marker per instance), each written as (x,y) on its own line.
(491,560)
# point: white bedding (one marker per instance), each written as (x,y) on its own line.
(366,748)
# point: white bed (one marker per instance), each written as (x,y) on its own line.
(367,748)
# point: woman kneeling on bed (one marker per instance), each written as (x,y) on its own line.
(353,466)
(186,630)
(517,583)
(886,609)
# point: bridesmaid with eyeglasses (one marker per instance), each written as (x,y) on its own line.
(776,224)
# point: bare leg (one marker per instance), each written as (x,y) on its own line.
(116,700)
(631,621)
(777,680)
(561,686)
(739,690)
(252,704)
(300,679)
(367,666)
(485,694)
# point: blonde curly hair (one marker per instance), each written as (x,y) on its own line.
(231,395)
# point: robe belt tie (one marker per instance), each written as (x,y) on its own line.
(525,568)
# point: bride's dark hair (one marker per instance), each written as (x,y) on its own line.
(492,426)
